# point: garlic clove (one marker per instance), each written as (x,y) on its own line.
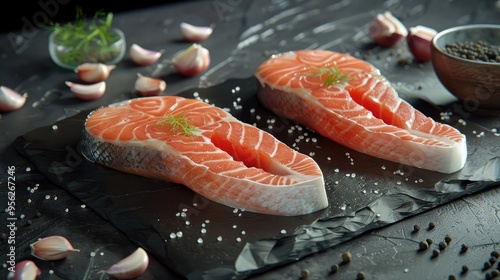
(386,30)
(419,42)
(192,33)
(192,61)
(147,86)
(130,267)
(24,270)
(93,72)
(52,248)
(142,56)
(87,92)
(11,100)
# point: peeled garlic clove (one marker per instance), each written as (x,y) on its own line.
(24,270)
(52,248)
(386,30)
(130,267)
(93,72)
(194,33)
(147,86)
(11,100)
(419,42)
(142,56)
(192,61)
(88,92)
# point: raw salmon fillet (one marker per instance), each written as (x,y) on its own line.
(347,100)
(190,142)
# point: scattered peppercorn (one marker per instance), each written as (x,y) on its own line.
(429,241)
(361,275)
(435,253)
(495,254)
(28,222)
(3,236)
(487,265)
(465,269)
(488,276)
(432,225)
(447,239)
(304,274)
(424,245)
(416,228)
(442,245)
(495,273)
(38,214)
(346,257)
(479,50)
(464,248)
(493,260)
(452,277)
(335,268)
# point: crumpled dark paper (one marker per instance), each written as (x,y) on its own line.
(200,239)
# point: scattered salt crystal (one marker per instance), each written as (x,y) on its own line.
(406,270)
(29,200)
(336,170)
(92,254)
(183,214)
(195,204)
(22,216)
(375,191)
(179,234)
(173,235)
(188,223)
(283,231)
(203,230)
(200,240)
(177,214)
(328,158)
(51,271)
(238,239)
(196,94)
(28,169)
(383,167)
(55,197)
(207,221)
(363,191)
(312,154)
(237,88)
(343,207)
(54,127)
(219,238)
(66,210)
(203,225)
(235,226)
(235,210)
(257,117)
(336,182)
(83,206)
(184,210)
(252,110)
(47,196)
(353,175)
(378,215)
(243,232)
(102,253)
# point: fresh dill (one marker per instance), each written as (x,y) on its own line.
(82,37)
(332,75)
(178,123)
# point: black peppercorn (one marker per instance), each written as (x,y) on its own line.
(495,254)
(424,245)
(432,225)
(465,269)
(447,239)
(452,277)
(346,257)
(361,275)
(416,228)
(304,274)
(464,248)
(442,245)
(435,253)
(335,268)
(487,265)
(429,241)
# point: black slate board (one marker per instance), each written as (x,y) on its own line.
(364,193)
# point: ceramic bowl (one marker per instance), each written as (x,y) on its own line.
(70,57)
(476,83)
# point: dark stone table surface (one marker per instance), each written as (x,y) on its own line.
(246,32)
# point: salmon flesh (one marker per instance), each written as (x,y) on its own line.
(203,147)
(347,100)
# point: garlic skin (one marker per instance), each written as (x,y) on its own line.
(24,270)
(192,61)
(11,100)
(386,30)
(52,248)
(147,86)
(130,267)
(93,72)
(142,56)
(192,33)
(419,42)
(87,92)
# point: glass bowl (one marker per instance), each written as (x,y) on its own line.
(70,57)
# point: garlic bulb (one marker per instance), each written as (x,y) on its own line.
(88,92)
(386,30)
(93,72)
(192,61)
(52,248)
(192,33)
(130,267)
(419,42)
(142,56)
(11,100)
(147,86)
(24,270)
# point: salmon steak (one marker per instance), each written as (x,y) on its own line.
(348,101)
(203,147)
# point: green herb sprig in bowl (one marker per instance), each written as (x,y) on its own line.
(82,40)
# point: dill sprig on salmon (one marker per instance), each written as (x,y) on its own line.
(178,123)
(332,76)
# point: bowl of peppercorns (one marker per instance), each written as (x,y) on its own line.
(466,60)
